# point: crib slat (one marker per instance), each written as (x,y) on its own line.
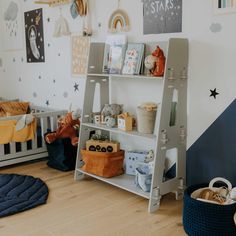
(1,150)
(43,122)
(12,147)
(53,123)
(34,142)
(24,146)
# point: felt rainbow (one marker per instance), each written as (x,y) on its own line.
(118,17)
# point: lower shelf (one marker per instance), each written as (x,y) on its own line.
(124,181)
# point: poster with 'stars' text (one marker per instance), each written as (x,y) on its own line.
(162,16)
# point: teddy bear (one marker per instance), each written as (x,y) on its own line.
(68,126)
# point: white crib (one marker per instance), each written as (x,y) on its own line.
(13,152)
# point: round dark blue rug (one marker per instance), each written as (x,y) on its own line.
(20,192)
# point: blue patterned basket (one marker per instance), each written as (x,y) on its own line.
(207,219)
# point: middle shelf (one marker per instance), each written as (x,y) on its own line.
(119,131)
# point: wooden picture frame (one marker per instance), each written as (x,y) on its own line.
(224,7)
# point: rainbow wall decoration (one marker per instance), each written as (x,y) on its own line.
(119,21)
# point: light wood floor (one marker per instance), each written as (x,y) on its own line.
(89,207)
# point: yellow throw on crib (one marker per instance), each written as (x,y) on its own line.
(8,132)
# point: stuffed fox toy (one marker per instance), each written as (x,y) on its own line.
(160,62)
(67,128)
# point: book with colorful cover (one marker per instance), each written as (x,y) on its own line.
(114,53)
(133,58)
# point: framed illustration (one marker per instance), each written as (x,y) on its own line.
(80,51)
(133,58)
(224,6)
(34,36)
(12,25)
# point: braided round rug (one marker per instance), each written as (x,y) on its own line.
(20,192)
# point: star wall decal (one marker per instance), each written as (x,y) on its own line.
(213,93)
(76,87)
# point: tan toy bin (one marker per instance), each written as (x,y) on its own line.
(104,164)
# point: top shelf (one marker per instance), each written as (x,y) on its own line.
(126,76)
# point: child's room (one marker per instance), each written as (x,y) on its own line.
(117,117)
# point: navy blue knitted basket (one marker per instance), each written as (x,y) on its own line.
(207,219)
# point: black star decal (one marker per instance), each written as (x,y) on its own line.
(47,103)
(76,87)
(48,19)
(213,93)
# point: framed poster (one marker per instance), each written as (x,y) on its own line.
(224,6)
(34,36)
(80,51)
(12,37)
(163,16)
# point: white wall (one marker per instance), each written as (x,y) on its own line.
(211,62)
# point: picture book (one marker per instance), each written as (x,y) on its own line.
(133,58)
(114,53)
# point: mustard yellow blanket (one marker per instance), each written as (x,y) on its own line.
(9,134)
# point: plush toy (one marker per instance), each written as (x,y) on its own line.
(112,109)
(67,128)
(159,66)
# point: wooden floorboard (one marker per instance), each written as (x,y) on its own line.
(89,207)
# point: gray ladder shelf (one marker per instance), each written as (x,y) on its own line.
(169,134)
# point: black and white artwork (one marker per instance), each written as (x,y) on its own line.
(34,36)
(162,16)
(12,37)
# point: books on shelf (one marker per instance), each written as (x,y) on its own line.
(114,53)
(133,58)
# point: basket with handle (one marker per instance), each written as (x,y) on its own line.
(202,218)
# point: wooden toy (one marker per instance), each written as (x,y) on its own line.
(125,122)
(102,146)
